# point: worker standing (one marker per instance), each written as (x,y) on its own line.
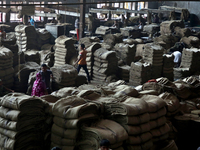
(77,28)
(82,61)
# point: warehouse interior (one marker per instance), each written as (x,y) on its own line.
(99,75)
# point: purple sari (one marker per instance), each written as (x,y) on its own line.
(39,86)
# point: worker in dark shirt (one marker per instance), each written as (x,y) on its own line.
(46,77)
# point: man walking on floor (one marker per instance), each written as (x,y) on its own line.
(82,61)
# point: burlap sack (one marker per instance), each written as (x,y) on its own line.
(146,145)
(62,141)
(159,113)
(139,139)
(139,129)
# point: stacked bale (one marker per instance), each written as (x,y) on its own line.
(191,41)
(21,76)
(151,28)
(132,32)
(64,51)
(6,67)
(125,52)
(191,59)
(112,39)
(68,114)
(105,64)
(64,75)
(134,120)
(180,73)
(139,73)
(44,37)
(167,27)
(26,37)
(103,129)
(153,54)
(168,65)
(158,123)
(123,72)
(90,57)
(20,126)
(32,55)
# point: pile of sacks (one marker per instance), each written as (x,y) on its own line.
(32,55)
(133,115)
(26,37)
(64,75)
(105,64)
(168,65)
(88,41)
(47,55)
(68,114)
(159,128)
(21,75)
(151,28)
(139,73)
(191,59)
(22,124)
(167,27)
(64,50)
(191,41)
(123,72)
(102,129)
(180,73)
(90,57)
(132,32)
(103,30)
(125,52)
(153,54)
(43,37)
(6,67)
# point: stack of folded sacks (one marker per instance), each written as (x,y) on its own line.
(91,135)
(153,54)
(190,59)
(133,115)
(32,55)
(22,124)
(6,67)
(131,31)
(124,72)
(64,75)
(139,73)
(168,65)
(26,37)
(64,51)
(105,64)
(21,75)
(43,37)
(180,73)
(125,52)
(167,27)
(68,114)
(158,123)
(90,58)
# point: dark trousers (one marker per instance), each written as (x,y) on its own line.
(86,70)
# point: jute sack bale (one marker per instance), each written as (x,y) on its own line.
(32,55)
(172,101)
(182,90)
(190,41)
(182,32)
(64,92)
(79,107)
(125,90)
(167,27)
(152,86)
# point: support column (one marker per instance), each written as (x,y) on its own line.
(136,7)
(45,18)
(7,14)
(82,19)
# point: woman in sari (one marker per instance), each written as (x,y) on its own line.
(39,87)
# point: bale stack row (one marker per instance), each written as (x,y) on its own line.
(105,64)
(26,37)
(43,37)
(125,52)
(32,55)
(90,58)
(135,121)
(6,67)
(159,128)
(153,54)
(123,72)
(68,114)
(139,73)
(191,59)
(168,65)
(64,75)
(22,128)
(21,75)
(64,51)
